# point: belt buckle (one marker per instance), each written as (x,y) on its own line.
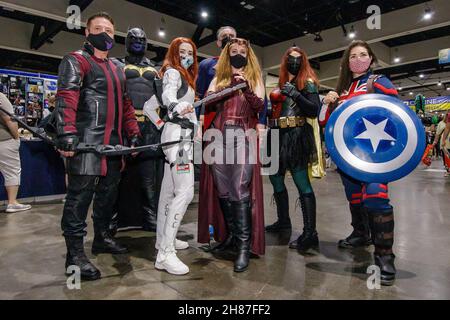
(283,122)
(291,122)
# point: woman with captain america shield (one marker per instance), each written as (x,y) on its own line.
(371,211)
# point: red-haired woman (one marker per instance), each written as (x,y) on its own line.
(296,99)
(179,73)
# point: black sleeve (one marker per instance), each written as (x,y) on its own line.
(70,75)
(309,103)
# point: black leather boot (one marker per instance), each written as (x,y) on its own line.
(114,225)
(77,257)
(228,243)
(382,229)
(149,218)
(360,237)
(243,231)
(309,238)
(283,222)
(105,243)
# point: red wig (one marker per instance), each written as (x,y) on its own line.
(172,60)
(305,73)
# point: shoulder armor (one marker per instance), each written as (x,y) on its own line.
(311,86)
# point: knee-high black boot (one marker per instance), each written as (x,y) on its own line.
(243,231)
(382,229)
(77,257)
(360,237)
(284,221)
(309,238)
(228,243)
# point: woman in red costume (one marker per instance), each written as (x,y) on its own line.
(231,194)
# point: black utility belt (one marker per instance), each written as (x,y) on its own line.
(287,122)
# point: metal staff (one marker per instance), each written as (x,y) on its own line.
(102,149)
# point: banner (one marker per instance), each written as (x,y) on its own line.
(432,104)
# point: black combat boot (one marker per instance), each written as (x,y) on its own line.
(77,257)
(309,238)
(382,230)
(283,222)
(360,237)
(105,243)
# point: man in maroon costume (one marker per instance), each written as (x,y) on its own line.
(92,107)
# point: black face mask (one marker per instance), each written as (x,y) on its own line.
(238,61)
(293,65)
(225,41)
(101,41)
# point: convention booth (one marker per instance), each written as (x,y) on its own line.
(42,167)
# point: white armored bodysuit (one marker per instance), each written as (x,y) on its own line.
(177,189)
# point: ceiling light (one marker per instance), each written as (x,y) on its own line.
(397,60)
(439,83)
(204,14)
(421,76)
(428,14)
(352,34)
(411,93)
(161,33)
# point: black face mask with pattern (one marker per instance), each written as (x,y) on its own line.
(101,41)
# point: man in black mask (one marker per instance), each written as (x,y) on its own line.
(206,69)
(137,203)
(92,106)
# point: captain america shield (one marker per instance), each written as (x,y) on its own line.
(375,138)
